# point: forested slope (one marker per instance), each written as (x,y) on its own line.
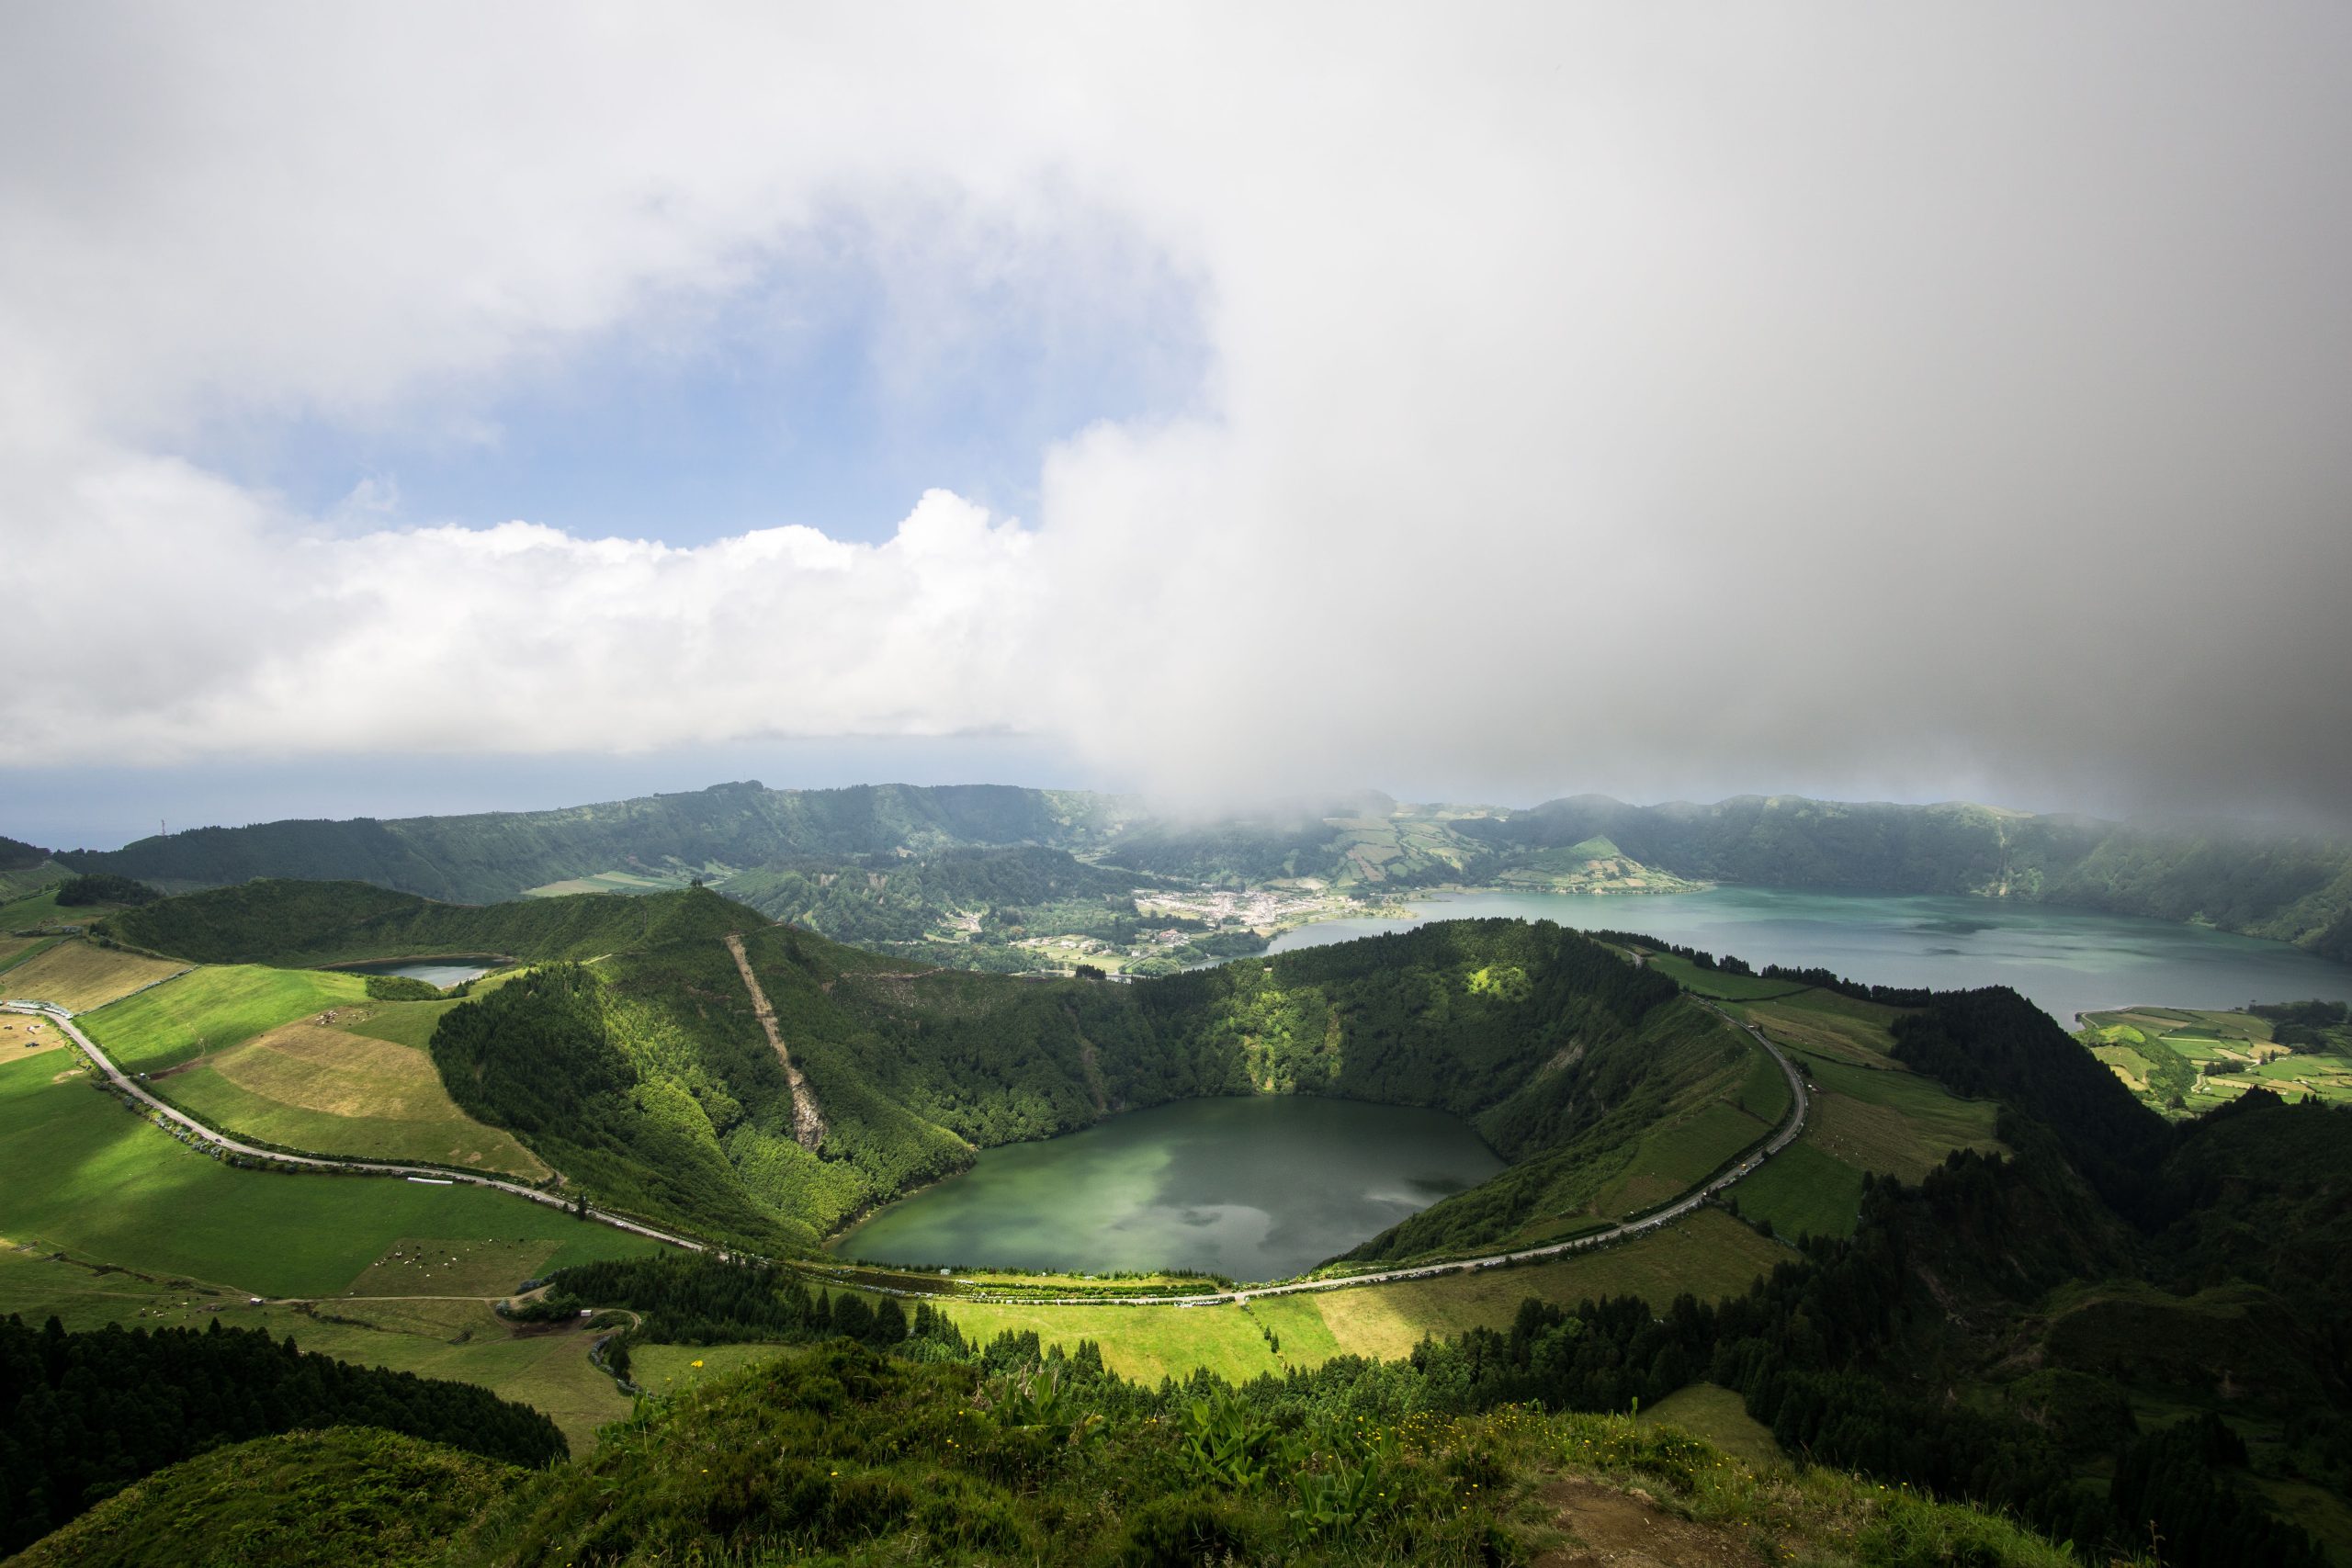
(311,923)
(647,1078)
(82,1415)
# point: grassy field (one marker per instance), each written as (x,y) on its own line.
(672,1369)
(42,909)
(2183,1062)
(1827,1024)
(1716,984)
(208,1011)
(328,1091)
(465,1340)
(403,1023)
(1716,1413)
(111,1185)
(15,949)
(1710,1255)
(1678,1153)
(1803,1192)
(78,977)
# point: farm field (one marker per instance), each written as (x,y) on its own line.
(209,1009)
(32,910)
(1677,1155)
(1716,984)
(1869,1113)
(462,1339)
(328,1091)
(1710,1254)
(1803,1191)
(15,950)
(1826,1024)
(78,977)
(620,880)
(171,1210)
(2182,1061)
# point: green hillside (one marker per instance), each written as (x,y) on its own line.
(648,1076)
(288,922)
(847,1456)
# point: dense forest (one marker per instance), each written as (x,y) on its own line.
(84,1414)
(103,887)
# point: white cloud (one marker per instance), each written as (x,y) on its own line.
(1654,399)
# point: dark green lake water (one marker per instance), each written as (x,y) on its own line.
(2067,961)
(1257,1188)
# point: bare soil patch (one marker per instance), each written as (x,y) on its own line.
(1626,1529)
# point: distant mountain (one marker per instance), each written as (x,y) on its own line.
(811,851)
(500,854)
(2290,888)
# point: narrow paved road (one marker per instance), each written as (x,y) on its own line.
(1690,1201)
(126,1085)
(1800,1107)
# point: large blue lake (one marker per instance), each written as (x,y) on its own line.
(2068,961)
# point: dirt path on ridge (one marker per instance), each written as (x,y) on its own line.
(807,1126)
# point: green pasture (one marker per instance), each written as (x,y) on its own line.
(112,1185)
(212,1009)
(2184,1061)
(1826,1023)
(331,1092)
(1764,1092)
(547,1369)
(42,909)
(76,976)
(1803,1192)
(1678,1153)
(1718,1415)
(404,1023)
(1716,984)
(15,950)
(1709,1254)
(1895,1124)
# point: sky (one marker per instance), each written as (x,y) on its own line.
(431,407)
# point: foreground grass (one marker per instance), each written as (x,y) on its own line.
(840,1453)
(305,1500)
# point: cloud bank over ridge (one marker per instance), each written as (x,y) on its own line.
(1650,400)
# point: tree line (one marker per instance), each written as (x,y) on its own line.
(83,1414)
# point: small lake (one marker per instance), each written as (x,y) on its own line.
(2067,961)
(452,970)
(1257,1188)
